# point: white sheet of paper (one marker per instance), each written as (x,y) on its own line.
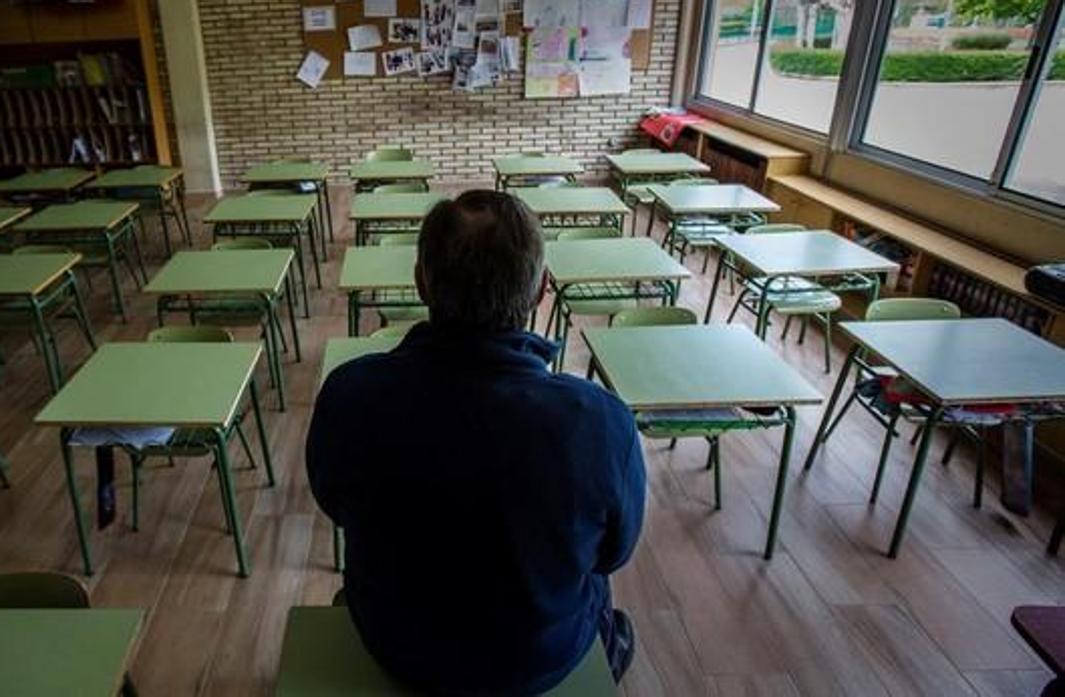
(379,8)
(322,18)
(605,77)
(600,42)
(487,7)
(550,13)
(364,36)
(604,13)
(512,54)
(360,64)
(313,68)
(640,12)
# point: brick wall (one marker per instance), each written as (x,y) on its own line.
(253,48)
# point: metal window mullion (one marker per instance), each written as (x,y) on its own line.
(1038,64)
(877,48)
(699,74)
(854,74)
(767,17)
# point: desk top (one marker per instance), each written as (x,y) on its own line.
(155,384)
(533,166)
(695,367)
(57,179)
(90,214)
(575,200)
(392,169)
(810,253)
(145,176)
(711,199)
(405,206)
(268,208)
(229,271)
(29,274)
(283,171)
(621,259)
(323,656)
(657,163)
(378,268)
(968,361)
(9,215)
(339,350)
(66,652)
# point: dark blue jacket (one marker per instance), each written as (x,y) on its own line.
(484,501)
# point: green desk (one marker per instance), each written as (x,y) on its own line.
(86,225)
(256,275)
(180,385)
(369,173)
(378,277)
(610,269)
(565,206)
(703,367)
(711,199)
(373,214)
(279,215)
(812,254)
(508,168)
(954,363)
(56,183)
(294,172)
(34,284)
(164,186)
(645,165)
(83,652)
(9,215)
(323,656)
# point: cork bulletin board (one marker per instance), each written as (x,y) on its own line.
(333,44)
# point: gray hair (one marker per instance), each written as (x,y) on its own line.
(481,259)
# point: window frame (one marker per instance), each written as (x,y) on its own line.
(856,91)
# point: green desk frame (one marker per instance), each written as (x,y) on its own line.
(576,207)
(163,186)
(524,167)
(53,286)
(61,225)
(380,214)
(368,174)
(289,172)
(378,277)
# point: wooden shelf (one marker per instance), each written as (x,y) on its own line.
(761,147)
(738,157)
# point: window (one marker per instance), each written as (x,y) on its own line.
(806,44)
(1039,166)
(949,78)
(731,58)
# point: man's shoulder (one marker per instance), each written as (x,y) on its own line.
(589,394)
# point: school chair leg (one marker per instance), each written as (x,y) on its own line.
(889,435)
(948,453)
(981,462)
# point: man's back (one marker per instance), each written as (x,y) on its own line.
(484,500)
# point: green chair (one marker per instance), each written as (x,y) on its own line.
(400,188)
(399,239)
(242,244)
(687,233)
(788,296)
(194,442)
(61,300)
(390,154)
(30,590)
(397,330)
(403,315)
(872,382)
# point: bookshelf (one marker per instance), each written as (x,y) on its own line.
(79,86)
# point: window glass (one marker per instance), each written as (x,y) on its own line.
(731,53)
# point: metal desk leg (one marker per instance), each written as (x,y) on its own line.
(782,481)
(273,350)
(915,481)
(826,418)
(713,288)
(112,270)
(328,210)
(79,310)
(75,499)
(161,202)
(48,350)
(179,194)
(229,500)
(353,313)
(261,428)
(289,290)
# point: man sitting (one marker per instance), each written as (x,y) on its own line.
(484,499)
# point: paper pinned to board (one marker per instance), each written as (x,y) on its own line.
(551,80)
(550,13)
(312,69)
(399,61)
(379,8)
(320,18)
(512,54)
(364,36)
(605,77)
(604,13)
(360,63)
(640,12)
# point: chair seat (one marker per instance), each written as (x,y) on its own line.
(793,295)
(404,314)
(599,307)
(702,234)
(640,192)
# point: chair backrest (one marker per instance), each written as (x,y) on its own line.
(404,188)
(41,589)
(911,309)
(693,181)
(398,239)
(41,249)
(398,329)
(641,151)
(560,184)
(390,154)
(775,227)
(241,244)
(196,334)
(588,233)
(654,317)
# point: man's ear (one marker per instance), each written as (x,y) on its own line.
(419,281)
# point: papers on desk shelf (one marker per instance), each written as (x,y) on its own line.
(137,438)
(379,8)
(363,36)
(313,68)
(360,63)
(323,18)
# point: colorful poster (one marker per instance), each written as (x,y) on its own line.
(550,13)
(550,80)
(551,67)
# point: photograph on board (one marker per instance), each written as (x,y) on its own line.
(404,30)
(398,62)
